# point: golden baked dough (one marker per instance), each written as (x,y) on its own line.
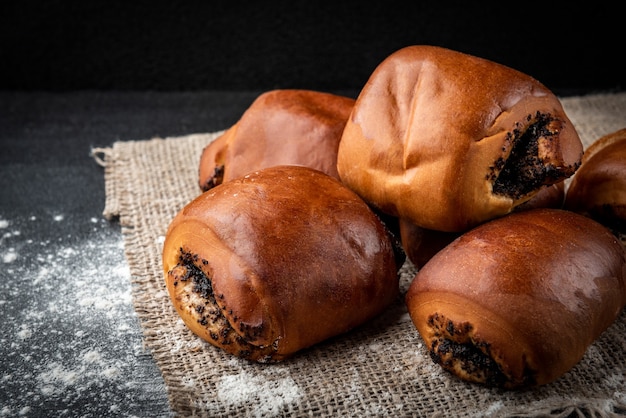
(278,260)
(447,140)
(295,127)
(420,244)
(517,301)
(598,189)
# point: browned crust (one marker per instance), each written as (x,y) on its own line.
(287,126)
(598,189)
(421,244)
(525,294)
(292,257)
(434,133)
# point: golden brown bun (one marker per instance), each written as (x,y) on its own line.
(447,140)
(294,127)
(515,302)
(276,261)
(420,244)
(598,189)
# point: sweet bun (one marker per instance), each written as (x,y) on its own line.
(447,140)
(516,302)
(278,260)
(420,244)
(295,127)
(598,189)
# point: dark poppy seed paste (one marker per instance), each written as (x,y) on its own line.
(199,300)
(456,350)
(524,170)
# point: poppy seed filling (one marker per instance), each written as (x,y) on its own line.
(454,347)
(197,298)
(524,171)
(216,179)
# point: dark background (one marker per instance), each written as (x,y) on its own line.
(237,45)
(78,75)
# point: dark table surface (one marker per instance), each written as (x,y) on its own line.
(70,342)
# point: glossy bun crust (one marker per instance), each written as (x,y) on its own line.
(448,140)
(517,301)
(283,258)
(281,127)
(421,244)
(598,189)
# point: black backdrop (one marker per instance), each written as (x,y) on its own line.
(237,45)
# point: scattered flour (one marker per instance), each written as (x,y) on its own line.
(494,408)
(270,395)
(9,256)
(64,345)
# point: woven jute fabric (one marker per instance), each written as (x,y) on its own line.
(379,369)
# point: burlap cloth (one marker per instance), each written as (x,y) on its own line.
(379,369)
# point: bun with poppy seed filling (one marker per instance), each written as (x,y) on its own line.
(516,301)
(447,140)
(281,127)
(278,260)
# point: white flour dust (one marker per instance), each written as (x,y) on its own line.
(70,340)
(269,395)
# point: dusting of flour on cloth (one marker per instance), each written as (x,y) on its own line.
(379,369)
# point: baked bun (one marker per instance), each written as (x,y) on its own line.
(420,244)
(448,140)
(281,127)
(517,301)
(283,258)
(598,189)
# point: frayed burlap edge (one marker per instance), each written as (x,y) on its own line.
(379,369)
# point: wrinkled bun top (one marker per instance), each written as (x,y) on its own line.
(432,133)
(281,127)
